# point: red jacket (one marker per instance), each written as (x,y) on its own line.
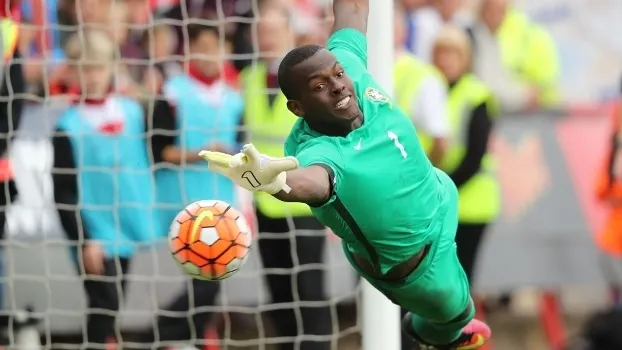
(609,190)
(13,6)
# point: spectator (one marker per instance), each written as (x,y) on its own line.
(468,161)
(294,247)
(40,42)
(425,22)
(206,115)
(12,84)
(171,39)
(131,76)
(609,190)
(421,93)
(411,8)
(103,183)
(84,14)
(516,58)
(179,136)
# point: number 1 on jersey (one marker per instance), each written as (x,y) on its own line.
(397,143)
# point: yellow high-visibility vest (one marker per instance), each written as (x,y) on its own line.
(268,125)
(408,75)
(479,198)
(529,51)
(10,31)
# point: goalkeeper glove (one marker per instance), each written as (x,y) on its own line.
(252,170)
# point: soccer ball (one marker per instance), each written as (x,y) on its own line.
(210,240)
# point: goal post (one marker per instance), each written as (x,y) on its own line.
(380,317)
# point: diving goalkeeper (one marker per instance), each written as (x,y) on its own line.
(355,158)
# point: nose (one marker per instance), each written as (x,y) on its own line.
(338,87)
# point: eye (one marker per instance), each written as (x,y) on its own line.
(340,74)
(319,87)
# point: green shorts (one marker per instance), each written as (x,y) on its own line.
(438,290)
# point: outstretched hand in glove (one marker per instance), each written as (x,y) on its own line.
(252,170)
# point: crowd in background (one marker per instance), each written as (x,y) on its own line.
(200,74)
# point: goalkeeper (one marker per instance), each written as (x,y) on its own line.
(354,157)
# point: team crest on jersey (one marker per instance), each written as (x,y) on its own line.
(376,96)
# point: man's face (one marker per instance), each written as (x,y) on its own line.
(206,54)
(326,94)
(413,5)
(493,12)
(450,62)
(273,33)
(448,8)
(93,11)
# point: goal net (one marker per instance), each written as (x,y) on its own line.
(39,274)
(153,42)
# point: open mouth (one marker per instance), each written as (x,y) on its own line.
(344,103)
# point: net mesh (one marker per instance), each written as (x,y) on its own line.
(39,274)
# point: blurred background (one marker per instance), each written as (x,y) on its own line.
(545,258)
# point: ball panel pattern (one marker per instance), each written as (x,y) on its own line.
(210,240)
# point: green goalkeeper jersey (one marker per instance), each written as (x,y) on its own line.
(388,200)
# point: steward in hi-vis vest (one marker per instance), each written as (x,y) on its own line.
(469,163)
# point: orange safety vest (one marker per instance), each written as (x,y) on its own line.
(609,190)
(10,31)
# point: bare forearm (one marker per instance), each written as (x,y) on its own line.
(310,185)
(176,155)
(438,151)
(351,14)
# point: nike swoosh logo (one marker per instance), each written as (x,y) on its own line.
(358,145)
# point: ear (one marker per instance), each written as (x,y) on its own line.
(295,107)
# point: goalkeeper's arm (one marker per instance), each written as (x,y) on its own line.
(351,14)
(280,177)
(312,186)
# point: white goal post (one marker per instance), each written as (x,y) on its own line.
(380,317)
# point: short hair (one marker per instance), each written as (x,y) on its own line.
(292,59)
(456,38)
(90,45)
(196,29)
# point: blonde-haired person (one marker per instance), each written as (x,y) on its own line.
(102,179)
(472,112)
(91,58)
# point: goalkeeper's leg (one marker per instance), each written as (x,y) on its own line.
(437,298)
(436,295)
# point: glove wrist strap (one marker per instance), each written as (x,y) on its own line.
(280,184)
